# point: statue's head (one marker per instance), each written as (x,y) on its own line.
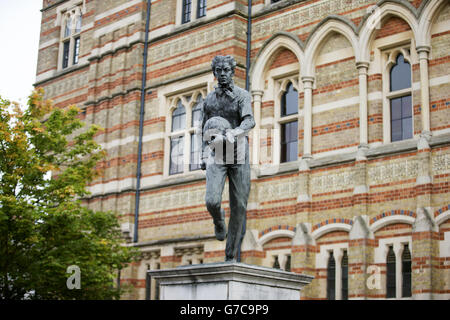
(223,69)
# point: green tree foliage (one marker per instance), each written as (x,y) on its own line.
(44,228)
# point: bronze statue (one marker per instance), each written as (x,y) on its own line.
(227,119)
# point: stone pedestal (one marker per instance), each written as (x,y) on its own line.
(228,281)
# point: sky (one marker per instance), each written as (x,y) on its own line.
(20,24)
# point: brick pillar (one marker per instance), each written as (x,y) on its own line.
(360,254)
(304,197)
(423,181)
(252,252)
(425,234)
(360,189)
(303,257)
(168,258)
(425,254)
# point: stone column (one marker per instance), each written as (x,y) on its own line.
(360,255)
(425,251)
(307,115)
(423,52)
(398,250)
(257,97)
(363,135)
(338,253)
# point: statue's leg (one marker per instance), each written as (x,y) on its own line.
(215,181)
(239,180)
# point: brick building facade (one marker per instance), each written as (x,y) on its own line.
(359,198)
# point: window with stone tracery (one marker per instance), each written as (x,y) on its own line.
(71,24)
(185,141)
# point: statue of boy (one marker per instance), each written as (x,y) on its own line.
(233,104)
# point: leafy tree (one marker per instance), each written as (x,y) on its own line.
(44,228)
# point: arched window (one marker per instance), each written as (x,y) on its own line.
(197,112)
(177,142)
(78,24)
(406,272)
(68,26)
(179,117)
(390,273)
(71,37)
(196,139)
(331,277)
(288,263)
(400,100)
(289,130)
(289,101)
(276,263)
(344,276)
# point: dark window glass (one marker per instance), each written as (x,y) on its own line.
(179,117)
(197,113)
(289,101)
(201,8)
(276,263)
(331,278)
(76,51)
(196,151)
(275,1)
(344,265)
(187,5)
(176,155)
(400,74)
(289,141)
(390,273)
(401,118)
(65,63)
(288,263)
(406,272)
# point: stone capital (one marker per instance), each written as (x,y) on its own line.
(362,67)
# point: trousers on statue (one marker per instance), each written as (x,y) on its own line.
(239,190)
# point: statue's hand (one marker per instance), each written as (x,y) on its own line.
(203,164)
(230,136)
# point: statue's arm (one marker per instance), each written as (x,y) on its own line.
(246,113)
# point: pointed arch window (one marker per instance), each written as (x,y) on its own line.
(71,38)
(78,23)
(177,142)
(179,117)
(184,140)
(406,272)
(400,99)
(331,277)
(390,273)
(288,126)
(196,139)
(344,276)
